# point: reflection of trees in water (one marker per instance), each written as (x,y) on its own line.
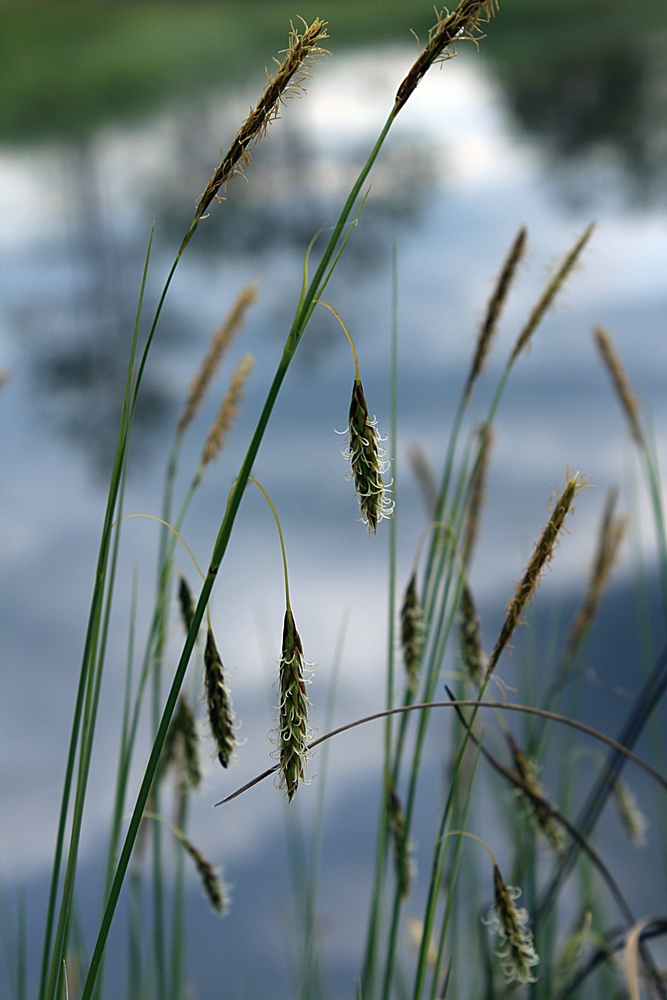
(80,337)
(604,101)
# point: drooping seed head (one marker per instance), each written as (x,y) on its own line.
(293,730)
(539,814)
(186,603)
(402,844)
(214,888)
(630,815)
(516,953)
(220,714)
(366,456)
(412,632)
(181,746)
(472,652)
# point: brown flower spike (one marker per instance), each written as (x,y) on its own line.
(368,462)
(293,729)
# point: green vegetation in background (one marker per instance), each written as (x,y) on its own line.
(66,68)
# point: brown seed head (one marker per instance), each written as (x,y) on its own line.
(626,397)
(5,375)
(293,730)
(517,953)
(611,534)
(495,307)
(229,410)
(425,476)
(472,652)
(221,341)
(462,23)
(368,463)
(214,887)
(544,549)
(220,714)
(412,632)
(287,81)
(551,291)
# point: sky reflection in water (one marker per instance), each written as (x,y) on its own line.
(455,183)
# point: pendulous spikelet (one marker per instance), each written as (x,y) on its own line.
(544,549)
(412,632)
(632,819)
(229,410)
(220,714)
(517,953)
(575,942)
(214,887)
(552,289)
(448,29)
(181,746)
(541,816)
(186,603)
(472,653)
(495,307)
(368,462)
(477,492)
(220,343)
(627,399)
(293,730)
(423,472)
(406,866)
(287,81)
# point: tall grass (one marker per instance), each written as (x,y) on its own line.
(433,630)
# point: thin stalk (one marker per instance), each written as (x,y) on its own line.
(299,324)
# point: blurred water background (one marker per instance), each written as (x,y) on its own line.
(111,116)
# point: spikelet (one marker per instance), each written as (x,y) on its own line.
(495,307)
(368,462)
(516,953)
(630,815)
(423,472)
(541,816)
(287,81)
(551,291)
(541,558)
(449,28)
(229,410)
(5,375)
(626,397)
(415,928)
(293,730)
(478,491)
(575,943)
(220,714)
(214,887)
(220,343)
(611,534)
(412,632)
(181,745)
(472,653)
(404,855)
(186,603)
